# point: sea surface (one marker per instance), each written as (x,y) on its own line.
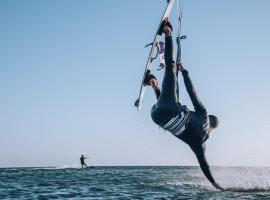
(133,183)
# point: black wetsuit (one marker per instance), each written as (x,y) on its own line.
(82,158)
(192,127)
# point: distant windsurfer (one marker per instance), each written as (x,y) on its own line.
(192,127)
(82,158)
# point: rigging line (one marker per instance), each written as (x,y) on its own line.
(180,15)
(182,10)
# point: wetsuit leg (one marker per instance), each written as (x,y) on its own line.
(177,89)
(168,98)
(167,105)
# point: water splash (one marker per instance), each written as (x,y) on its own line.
(70,166)
(244,179)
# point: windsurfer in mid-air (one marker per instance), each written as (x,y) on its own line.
(192,127)
(82,158)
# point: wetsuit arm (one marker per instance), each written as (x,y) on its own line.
(198,106)
(200,154)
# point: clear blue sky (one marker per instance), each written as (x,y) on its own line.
(71,70)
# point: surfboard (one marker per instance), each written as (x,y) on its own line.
(86,167)
(153,55)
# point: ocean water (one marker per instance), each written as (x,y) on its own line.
(133,183)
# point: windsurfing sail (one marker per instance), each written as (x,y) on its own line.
(153,54)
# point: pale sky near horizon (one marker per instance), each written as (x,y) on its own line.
(70,72)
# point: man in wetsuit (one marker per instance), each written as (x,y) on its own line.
(82,158)
(192,127)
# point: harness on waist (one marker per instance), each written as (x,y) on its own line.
(176,125)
